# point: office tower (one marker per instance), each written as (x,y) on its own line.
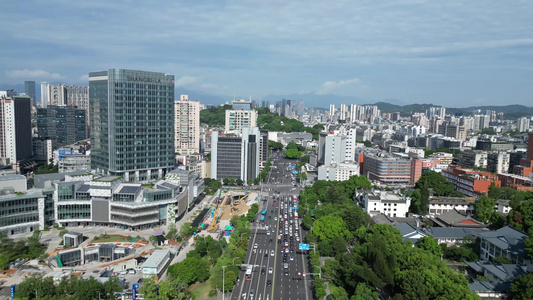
(523,124)
(241,104)
(29,89)
(15,129)
(63,124)
(132,123)
(235,156)
(186,126)
(236,120)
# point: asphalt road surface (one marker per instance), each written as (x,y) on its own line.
(278,265)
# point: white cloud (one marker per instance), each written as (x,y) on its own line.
(344,87)
(39,74)
(185,80)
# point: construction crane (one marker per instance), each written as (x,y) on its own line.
(234,205)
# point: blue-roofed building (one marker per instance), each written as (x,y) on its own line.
(410,232)
(507,242)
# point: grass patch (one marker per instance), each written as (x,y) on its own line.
(200,290)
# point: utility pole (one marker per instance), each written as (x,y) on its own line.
(223,269)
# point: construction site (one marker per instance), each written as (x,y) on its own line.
(228,204)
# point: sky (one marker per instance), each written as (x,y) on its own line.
(452,53)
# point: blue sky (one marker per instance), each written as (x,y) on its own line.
(453,53)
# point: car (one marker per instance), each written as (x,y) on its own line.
(297,239)
(268,232)
(265,256)
(285,255)
(270,270)
(269,282)
(279,241)
(291,258)
(263,271)
(252,292)
(286,273)
(291,238)
(273,205)
(286,250)
(285,266)
(255,246)
(286,244)
(275,218)
(284,259)
(292,246)
(272,253)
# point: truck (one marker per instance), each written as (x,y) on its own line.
(262,219)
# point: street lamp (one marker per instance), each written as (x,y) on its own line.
(223,269)
(234,259)
(319,273)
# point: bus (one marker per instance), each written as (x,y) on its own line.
(249,272)
(264,212)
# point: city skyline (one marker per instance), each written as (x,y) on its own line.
(453,54)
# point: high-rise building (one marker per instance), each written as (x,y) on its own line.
(186,126)
(234,156)
(437,112)
(15,129)
(132,123)
(236,120)
(523,124)
(29,89)
(63,124)
(529,154)
(331,110)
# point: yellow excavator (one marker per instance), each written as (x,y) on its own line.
(236,203)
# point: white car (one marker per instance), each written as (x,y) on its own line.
(291,258)
(285,266)
(272,253)
(270,270)
(255,246)
(268,232)
(275,218)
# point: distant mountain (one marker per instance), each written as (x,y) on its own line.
(510,111)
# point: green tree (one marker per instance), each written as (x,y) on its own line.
(484,209)
(292,153)
(501,260)
(365,292)
(430,244)
(190,270)
(275,145)
(522,287)
(329,227)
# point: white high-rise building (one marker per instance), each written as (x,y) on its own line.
(8,150)
(523,124)
(236,120)
(186,126)
(437,112)
(353,113)
(343,112)
(331,110)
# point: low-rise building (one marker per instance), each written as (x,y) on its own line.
(453,218)
(507,242)
(338,172)
(156,263)
(382,202)
(469,182)
(439,205)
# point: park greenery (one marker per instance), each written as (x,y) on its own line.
(370,261)
(214,116)
(37,287)
(29,248)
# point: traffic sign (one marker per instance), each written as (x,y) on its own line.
(13,292)
(303,246)
(134,289)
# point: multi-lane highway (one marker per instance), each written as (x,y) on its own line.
(277,264)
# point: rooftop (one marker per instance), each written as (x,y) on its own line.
(155,259)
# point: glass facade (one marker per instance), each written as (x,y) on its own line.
(19,211)
(74,211)
(229,154)
(132,123)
